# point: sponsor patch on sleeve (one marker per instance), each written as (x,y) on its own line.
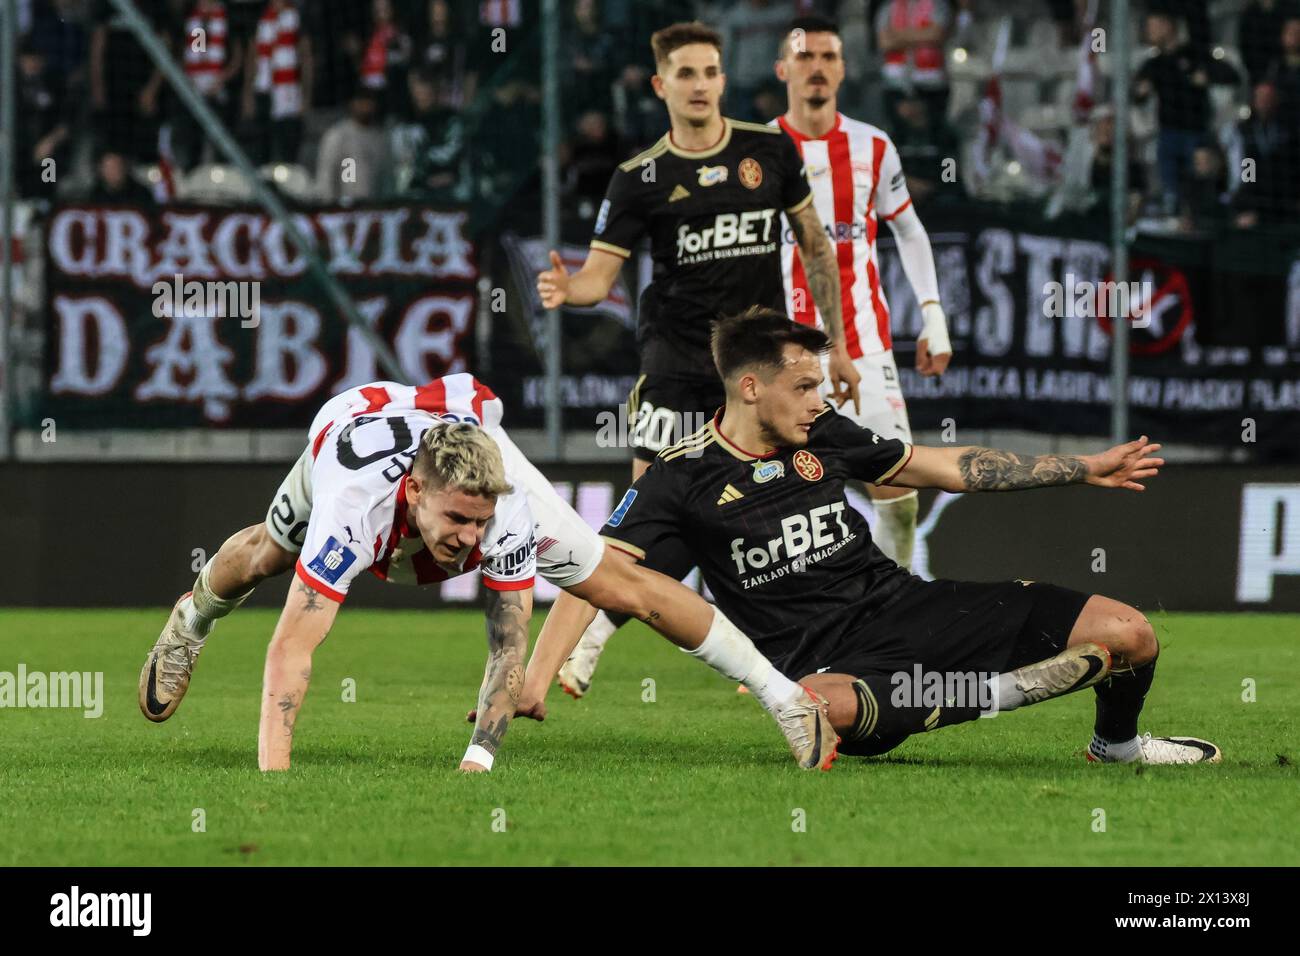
(620,512)
(333,561)
(602,217)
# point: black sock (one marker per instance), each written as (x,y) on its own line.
(882,724)
(1119,701)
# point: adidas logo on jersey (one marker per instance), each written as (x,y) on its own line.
(730,493)
(679,192)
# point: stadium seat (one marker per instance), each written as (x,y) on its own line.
(214,183)
(291,179)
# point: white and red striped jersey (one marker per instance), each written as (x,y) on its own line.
(277,67)
(204,61)
(363,442)
(857,181)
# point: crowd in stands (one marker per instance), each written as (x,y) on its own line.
(441,100)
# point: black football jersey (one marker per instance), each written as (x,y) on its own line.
(787,558)
(714,221)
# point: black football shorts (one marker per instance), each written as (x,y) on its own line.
(662,411)
(960,626)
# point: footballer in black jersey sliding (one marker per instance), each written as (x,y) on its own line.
(757,497)
(709,195)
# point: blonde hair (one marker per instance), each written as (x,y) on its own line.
(464,457)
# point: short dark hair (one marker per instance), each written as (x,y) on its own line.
(756,339)
(809,24)
(664,42)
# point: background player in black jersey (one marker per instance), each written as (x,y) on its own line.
(758,496)
(709,195)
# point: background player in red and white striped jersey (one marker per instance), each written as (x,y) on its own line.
(417,485)
(857,182)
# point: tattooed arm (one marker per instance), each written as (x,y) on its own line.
(823,271)
(988,469)
(304,623)
(503,677)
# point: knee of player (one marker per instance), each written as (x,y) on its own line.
(1145,638)
(1135,638)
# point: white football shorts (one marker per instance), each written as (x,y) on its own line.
(880,397)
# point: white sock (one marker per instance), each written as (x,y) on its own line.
(1004,692)
(734,656)
(896,527)
(600,630)
(1115,751)
(194,621)
(202,608)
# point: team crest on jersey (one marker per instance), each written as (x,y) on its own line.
(712,175)
(765,471)
(334,559)
(808,465)
(751,174)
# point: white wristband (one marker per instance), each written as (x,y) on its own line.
(478,755)
(934,328)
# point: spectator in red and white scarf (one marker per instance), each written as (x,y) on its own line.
(385,56)
(210,62)
(278,83)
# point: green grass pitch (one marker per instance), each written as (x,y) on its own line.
(698,776)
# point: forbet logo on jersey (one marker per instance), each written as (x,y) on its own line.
(747,234)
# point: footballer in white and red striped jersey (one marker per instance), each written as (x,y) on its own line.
(343,505)
(857,182)
(360,496)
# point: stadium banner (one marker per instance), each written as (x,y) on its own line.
(192,316)
(1240,552)
(598,350)
(1031,303)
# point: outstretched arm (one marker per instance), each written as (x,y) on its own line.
(508,613)
(304,623)
(989,469)
(588,286)
(569,617)
(823,272)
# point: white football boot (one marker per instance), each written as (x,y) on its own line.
(166,674)
(808,731)
(576,673)
(1168,750)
